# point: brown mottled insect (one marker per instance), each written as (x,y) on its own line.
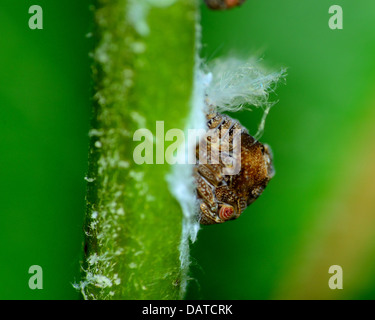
(223,4)
(224,197)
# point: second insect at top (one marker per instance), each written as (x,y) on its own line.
(223,4)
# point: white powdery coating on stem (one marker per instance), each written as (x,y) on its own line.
(181,180)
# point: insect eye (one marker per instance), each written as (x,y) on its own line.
(226,212)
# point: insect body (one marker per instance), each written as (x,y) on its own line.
(223,4)
(223,196)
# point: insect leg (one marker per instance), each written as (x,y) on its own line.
(206,191)
(212,173)
(206,215)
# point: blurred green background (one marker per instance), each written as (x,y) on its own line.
(318,211)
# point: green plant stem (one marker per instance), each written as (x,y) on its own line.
(133,225)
